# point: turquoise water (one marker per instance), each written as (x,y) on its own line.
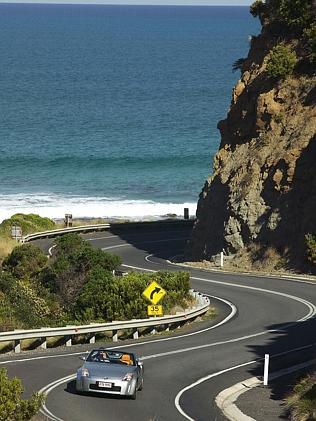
(112,110)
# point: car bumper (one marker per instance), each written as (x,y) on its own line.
(118,387)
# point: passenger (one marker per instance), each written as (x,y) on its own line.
(126,359)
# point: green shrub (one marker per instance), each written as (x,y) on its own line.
(105,297)
(68,244)
(296,14)
(28,306)
(12,407)
(288,15)
(25,261)
(29,223)
(281,61)
(310,241)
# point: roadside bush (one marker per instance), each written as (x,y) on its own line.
(5,312)
(27,306)
(28,222)
(281,61)
(310,241)
(105,297)
(12,407)
(302,402)
(25,261)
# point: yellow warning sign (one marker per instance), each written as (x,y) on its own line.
(154,293)
(154,310)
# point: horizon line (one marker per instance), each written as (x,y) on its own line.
(65,3)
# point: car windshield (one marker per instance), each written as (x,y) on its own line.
(106,356)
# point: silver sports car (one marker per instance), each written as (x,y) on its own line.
(110,371)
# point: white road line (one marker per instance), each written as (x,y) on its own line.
(47,389)
(51,249)
(101,238)
(144,242)
(147,258)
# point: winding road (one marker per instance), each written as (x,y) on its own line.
(186,370)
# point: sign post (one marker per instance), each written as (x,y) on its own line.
(266,370)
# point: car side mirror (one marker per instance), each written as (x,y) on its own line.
(140,363)
(82,357)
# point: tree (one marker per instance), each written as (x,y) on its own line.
(12,407)
(74,259)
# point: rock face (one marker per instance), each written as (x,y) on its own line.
(263,187)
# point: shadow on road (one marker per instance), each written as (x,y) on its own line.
(290,344)
(71,388)
(173,237)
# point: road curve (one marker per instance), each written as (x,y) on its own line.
(183,375)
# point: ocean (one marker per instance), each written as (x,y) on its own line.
(112,111)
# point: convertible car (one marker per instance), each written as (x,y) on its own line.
(110,371)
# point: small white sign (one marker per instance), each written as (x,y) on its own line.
(16,232)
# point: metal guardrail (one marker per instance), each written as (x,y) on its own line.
(101,227)
(68,332)
(54,233)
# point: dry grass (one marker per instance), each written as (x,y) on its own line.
(6,246)
(254,259)
(302,401)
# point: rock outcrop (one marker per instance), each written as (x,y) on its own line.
(263,187)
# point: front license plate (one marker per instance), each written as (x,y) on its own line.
(104,384)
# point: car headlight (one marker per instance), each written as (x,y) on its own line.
(128,377)
(85,372)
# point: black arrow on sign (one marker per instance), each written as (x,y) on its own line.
(154,291)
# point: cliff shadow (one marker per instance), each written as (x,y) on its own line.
(295,207)
(161,240)
(212,213)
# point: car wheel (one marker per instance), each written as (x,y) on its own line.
(141,385)
(133,396)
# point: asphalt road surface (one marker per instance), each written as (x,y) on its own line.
(186,370)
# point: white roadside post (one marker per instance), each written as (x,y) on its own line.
(222,259)
(266,369)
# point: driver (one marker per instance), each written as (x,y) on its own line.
(103,356)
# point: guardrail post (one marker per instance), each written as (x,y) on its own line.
(17,346)
(114,336)
(68,341)
(43,344)
(135,333)
(92,339)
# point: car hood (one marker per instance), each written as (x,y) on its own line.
(113,371)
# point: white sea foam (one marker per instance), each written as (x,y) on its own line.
(55,206)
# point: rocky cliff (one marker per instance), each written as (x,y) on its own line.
(263,187)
